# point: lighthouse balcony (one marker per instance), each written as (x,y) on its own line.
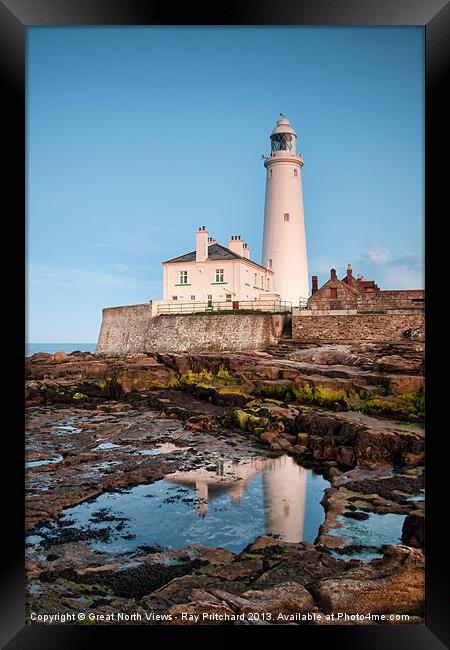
(285,156)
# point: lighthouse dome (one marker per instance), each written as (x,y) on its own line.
(283,126)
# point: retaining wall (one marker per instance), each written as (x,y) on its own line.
(131,329)
(355,327)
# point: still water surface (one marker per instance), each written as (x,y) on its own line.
(226,506)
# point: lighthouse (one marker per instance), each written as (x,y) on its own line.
(284,243)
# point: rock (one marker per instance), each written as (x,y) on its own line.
(247,568)
(262,542)
(31,570)
(299,563)
(249,422)
(355,514)
(265,541)
(345,456)
(178,591)
(59,357)
(256,424)
(303,439)
(292,440)
(299,450)
(284,444)
(286,598)
(390,487)
(268,437)
(413,529)
(241,418)
(394,583)
(377,446)
(413,459)
(396,363)
(202,422)
(40,356)
(334,473)
(216,556)
(322,447)
(399,384)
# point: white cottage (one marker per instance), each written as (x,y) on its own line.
(215,273)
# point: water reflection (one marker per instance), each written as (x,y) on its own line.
(284,490)
(162,448)
(227,504)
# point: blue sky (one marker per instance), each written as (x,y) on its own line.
(136,136)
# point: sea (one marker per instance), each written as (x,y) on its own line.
(32,348)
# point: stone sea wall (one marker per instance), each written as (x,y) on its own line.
(405,299)
(131,329)
(376,300)
(356,327)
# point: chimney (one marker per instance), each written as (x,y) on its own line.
(246,251)
(315,284)
(333,274)
(349,275)
(236,245)
(201,244)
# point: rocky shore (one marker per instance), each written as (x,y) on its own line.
(99,426)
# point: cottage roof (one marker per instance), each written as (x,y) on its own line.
(337,282)
(216,252)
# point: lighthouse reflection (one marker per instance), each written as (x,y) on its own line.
(284,490)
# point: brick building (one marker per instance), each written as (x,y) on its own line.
(357,294)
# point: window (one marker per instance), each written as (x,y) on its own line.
(209,296)
(228,297)
(271,173)
(174,297)
(268,283)
(183,277)
(192,297)
(281,142)
(270,263)
(286,216)
(295,172)
(333,293)
(256,280)
(219,275)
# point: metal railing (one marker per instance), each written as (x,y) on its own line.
(232,307)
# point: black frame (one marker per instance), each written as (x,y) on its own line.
(434,16)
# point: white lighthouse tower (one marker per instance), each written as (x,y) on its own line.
(284,244)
